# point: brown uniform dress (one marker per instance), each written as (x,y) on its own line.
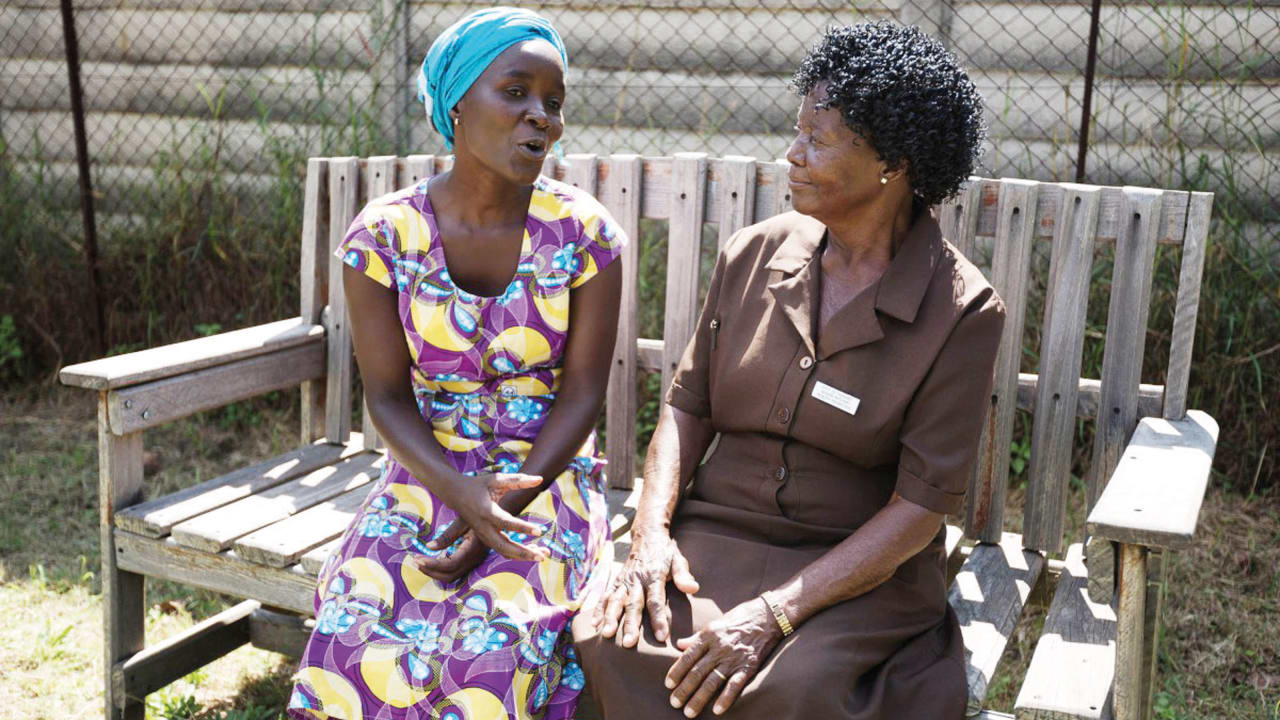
(792,475)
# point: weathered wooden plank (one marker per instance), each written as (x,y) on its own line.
(165,361)
(190,650)
(416,168)
(284,633)
(1156,569)
(282,543)
(313,283)
(215,530)
(1065,301)
(1135,253)
(964,212)
(620,185)
(1010,274)
(289,588)
(344,181)
(1131,613)
(1154,496)
(988,595)
(689,177)
(773,193)
(155,517)
(1074,662)
(139,407)
(735,194)
(123,595)
(1188,303)
(1088,393)
(313,560)
(380,176)
(581,172)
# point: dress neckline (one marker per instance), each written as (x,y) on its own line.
(526,245)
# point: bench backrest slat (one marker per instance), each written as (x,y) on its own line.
(381,176)
(1188,303)
(1126,333)
(313,268)
(684,245)
(1010,264)
(1053,428)
(690,190)
(735,183)
(620,184)
(344,199)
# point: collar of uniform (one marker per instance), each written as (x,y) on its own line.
(794,284)
(897,293)
(901,288)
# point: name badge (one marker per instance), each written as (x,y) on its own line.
(835,398)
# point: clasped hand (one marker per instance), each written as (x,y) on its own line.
(723,656)
(482,525)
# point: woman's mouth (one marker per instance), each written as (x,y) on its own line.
(534,149)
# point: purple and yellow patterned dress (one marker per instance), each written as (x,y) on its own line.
(389,641)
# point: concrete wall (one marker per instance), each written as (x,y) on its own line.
(169,81)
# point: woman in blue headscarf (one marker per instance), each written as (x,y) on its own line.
(484,307)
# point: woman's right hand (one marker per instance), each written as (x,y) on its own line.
(641,584)
(475,499)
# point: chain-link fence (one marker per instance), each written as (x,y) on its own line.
(198,116)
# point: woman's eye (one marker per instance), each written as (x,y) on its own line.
(515,92)
(555,103)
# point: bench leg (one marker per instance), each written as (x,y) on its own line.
(119,485)
(1157,561)
(1131,623)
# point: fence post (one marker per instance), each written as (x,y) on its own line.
(391,71)
(86,182)
(931,16)
(1086,105)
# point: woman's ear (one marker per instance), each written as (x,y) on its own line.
(890,174)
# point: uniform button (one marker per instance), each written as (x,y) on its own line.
(780,474)
(784,415)
(806,362)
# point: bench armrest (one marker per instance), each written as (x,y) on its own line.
(1155,493)
(184,357)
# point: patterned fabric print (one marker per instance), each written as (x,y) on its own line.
(390,642)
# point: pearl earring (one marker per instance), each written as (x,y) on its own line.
(883,180)
(455,119)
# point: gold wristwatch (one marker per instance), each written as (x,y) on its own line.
(775,607)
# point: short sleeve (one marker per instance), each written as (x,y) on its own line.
(370,246)
(690,388)
(600,243)
(944,420)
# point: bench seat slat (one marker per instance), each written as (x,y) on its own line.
(1073,665)
(283,543)
(988,595)
(154,518)
(216,530)
(290,588)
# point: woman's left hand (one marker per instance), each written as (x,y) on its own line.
(448,567)
(728,652)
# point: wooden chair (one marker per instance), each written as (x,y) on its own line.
(262,532)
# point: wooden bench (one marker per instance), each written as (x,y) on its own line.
(262,532)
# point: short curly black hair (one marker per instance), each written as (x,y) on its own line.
(907,95)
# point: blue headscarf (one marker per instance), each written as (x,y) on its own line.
(466,48)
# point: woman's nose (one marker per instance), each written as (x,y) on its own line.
(795,155)
(538,117)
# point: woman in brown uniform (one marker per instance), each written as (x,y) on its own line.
(844,355)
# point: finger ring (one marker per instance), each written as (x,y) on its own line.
(721,675)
